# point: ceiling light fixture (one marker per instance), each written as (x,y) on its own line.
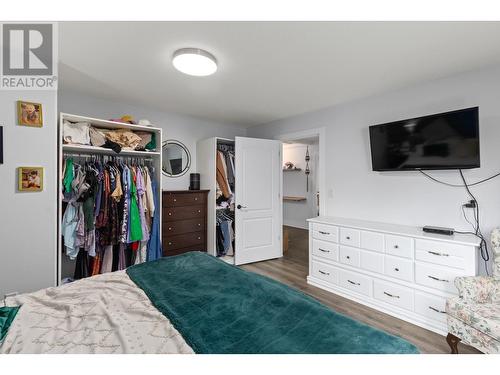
(194,62)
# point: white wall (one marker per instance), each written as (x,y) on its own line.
(28,219)
(295,214)
(355,191)
(186,129)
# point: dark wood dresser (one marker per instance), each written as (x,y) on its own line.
(184,221)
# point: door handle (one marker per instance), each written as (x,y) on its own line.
(239,207)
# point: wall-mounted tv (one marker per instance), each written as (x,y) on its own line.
(447,140)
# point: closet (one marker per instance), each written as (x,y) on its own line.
(109,196)
(244,205)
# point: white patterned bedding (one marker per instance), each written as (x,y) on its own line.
(103,314)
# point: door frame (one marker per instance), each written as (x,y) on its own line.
(321,134)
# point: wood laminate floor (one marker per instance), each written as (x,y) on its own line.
(292,270)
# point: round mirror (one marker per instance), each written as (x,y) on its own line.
(176,158)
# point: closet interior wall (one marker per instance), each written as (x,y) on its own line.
(219,208)
(86,152)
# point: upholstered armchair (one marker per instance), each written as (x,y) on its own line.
(474,316)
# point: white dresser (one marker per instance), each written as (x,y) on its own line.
(397,269)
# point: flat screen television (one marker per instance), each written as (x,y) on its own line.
(447,140)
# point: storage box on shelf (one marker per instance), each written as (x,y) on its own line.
(397,269)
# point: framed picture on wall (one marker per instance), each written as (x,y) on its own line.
(29,114)
(30,178)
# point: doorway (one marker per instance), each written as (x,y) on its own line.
(302,190)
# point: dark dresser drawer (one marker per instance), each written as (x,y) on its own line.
(182,213)
(184,226)
(181,200)
(183,240)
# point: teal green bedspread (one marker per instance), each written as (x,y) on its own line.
(7,315)
(219,308)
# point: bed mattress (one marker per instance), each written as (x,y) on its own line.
(103,314)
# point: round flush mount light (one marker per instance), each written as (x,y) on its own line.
(194,62)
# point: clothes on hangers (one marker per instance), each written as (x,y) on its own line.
(154,250)
(222,175)
(109,214)
(224,232)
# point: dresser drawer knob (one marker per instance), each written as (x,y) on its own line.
(175,200)
(353,282)
(438,279)
(438,254)
(391,295)
(199,238)
(323,250)
(324,273)
(437,310)
(199,224)
(348,257)
(169,228)
(396,269)
(195,199)
(170,214)
(396,246)
(170,243)
(348,238)
(324,232)
(199,211)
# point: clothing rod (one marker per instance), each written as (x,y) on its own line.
(107,156)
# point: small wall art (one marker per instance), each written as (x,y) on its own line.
(30,178)
(29,114)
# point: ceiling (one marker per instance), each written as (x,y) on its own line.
(267,70)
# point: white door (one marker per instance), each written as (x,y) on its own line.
(258,179)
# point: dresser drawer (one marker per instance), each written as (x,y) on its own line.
(325,249)
(394,294)
(399,268)
(325,232)
(440,278)
(355,282)
(184,226)
(444,253)
(350,237)
(324,272)
(399,246)
(349,255)
(372,261)
(430,306)
(187,199)
(183,240)
(372,241)
(182,213)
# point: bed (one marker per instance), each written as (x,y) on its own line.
(190,303)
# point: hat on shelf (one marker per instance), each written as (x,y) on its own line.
(144,122)
(127,119)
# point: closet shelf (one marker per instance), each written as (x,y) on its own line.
(101,150)
(294,199)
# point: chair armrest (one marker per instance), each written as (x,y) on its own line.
(478,289)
